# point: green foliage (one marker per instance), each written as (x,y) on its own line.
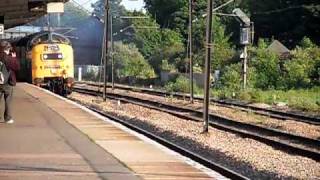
(130,62)
(181,84)
(306,43)
(171,48)
(174,15)
(157,44)
(303,99)
(166,11)
(287,21)
(115,6)
(231,77)
(89,76)
(116,10)
(303,69)
(222,51)
(298,70)
(267,68)
(165,66)
(313,52)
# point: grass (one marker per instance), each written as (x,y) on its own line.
(301,99)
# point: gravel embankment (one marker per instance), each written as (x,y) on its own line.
(291,126)
(249,157)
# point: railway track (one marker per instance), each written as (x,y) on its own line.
(185,152)
(291,143)
(277,114)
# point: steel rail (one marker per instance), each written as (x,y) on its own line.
(183,151)
(283,140)
(277,114)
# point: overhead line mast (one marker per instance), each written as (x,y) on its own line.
(207,67)
(106,45)
(190,49)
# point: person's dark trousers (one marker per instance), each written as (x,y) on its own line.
(1,104)
(7,92)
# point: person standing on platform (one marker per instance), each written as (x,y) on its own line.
(9,59)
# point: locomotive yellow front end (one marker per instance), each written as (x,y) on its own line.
(52,66)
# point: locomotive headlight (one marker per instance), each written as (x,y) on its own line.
(53,56)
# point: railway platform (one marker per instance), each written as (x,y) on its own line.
(54,138)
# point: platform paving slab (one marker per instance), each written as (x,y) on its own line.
(145,159)
(42,145)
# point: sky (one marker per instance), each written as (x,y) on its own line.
(129,4)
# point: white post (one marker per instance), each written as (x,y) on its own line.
(245,64)
(80,74)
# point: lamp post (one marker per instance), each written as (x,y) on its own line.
(207,67)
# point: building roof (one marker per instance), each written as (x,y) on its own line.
(278,48)
(17,12)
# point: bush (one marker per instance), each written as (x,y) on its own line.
(130,62)
(303,104)
(181,84)
(165,66)
(302,71)
(267,68)
(231,78)
(91,76)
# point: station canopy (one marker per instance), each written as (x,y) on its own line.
(19,12)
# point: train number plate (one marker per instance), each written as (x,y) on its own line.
(52,48)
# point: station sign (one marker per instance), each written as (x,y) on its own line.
(55,7)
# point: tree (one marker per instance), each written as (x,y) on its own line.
(288,21)
(116,9)
(222,49)
(164,11)
(303,69)
(130,62)
(154,43)
(231,77)
(268,74)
